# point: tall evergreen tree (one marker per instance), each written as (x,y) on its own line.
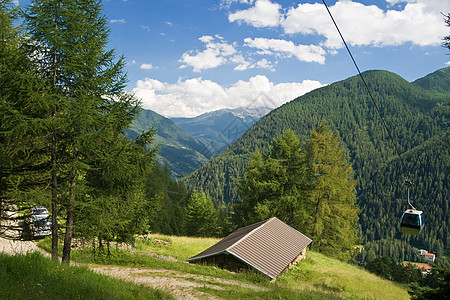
(334,217)
(71,37)
(113,205)
(276,185)
(167,202)
(200,216)
(23,123)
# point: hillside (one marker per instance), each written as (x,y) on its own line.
(181,152)
(32,276)
(218,129)
(414,114)
(159,262)
(438,81)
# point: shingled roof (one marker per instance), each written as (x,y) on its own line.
(270,246)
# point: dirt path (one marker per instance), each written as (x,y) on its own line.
(13,246)
(181,285)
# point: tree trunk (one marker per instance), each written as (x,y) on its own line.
(54,201)
(69,233)
(69,220)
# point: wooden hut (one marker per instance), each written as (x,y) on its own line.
(269,246)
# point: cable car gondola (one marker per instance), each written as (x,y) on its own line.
(412,219)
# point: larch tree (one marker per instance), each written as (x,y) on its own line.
(23,124)
(333,222)
(276,184)
(87,84)
(114,205)
(200,216)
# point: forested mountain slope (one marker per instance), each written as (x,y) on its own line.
(181,152)
(438,81)
(415,113)
(384,199)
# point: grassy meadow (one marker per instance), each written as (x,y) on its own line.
(316,277)
(32,276)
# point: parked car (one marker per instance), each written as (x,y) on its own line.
(41,225)
(39,212)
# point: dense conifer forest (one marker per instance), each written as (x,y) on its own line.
(417,116)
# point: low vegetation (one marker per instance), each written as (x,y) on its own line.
(317,277)
(33,276)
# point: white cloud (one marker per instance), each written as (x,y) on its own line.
(147,66)
(284,48)
(265,64)
(118,21)
(195,96)
(217,53)
(263,14)
(417,21)
(244,64)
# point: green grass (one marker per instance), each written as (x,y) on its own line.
(346,280)
(317,277)
(180,247)
(33,276)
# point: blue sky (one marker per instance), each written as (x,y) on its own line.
(187,57)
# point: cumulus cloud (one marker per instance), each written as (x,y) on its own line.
(284,48)
(418,21)
(217,53)
(192,97)
(367,25)
(263,14)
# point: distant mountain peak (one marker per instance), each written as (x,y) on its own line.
(240,112)
(217,129)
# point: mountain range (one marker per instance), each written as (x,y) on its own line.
(417,117)
(185,144)
(178,150)
(220,128)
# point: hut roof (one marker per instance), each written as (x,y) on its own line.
(269,246)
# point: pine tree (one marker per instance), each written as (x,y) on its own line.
(200,216)
(333,222)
